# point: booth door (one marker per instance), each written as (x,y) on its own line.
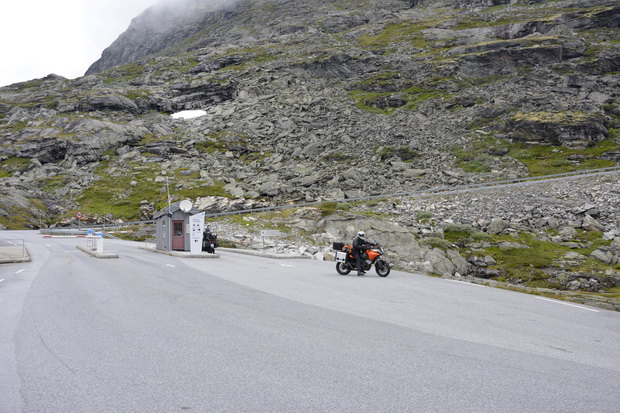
(178,235)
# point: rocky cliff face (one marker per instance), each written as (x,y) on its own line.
(314,100)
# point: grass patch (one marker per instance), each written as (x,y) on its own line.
(527,264)
(593,238)
(400,32)
(404,153)
(547,160)
(436,242)
(461,234)
(53,183)
(424,216)
(481,154)
(217,189)
(540,160)
(338,156)
(530,265)
(124,73)
(329,208)
(410,98)
(13,165)
(122,186)
(16,222)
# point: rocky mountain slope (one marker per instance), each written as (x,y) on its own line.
(314,101)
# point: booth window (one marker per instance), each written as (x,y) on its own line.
(178,229)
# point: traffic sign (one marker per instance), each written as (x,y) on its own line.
(270,233)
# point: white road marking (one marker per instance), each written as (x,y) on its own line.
(562,302)
(464,282)
(22,270)
(1,280)
(170,265)
(287,265)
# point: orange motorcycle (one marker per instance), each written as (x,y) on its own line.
(345,260)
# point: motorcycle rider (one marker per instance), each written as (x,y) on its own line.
(359,246)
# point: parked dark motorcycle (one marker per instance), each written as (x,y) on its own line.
(345,260)
(209,242)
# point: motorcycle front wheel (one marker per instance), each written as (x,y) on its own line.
(342,268)
(382,268)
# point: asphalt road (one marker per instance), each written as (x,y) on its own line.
(153,333)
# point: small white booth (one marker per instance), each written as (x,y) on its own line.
(179,227)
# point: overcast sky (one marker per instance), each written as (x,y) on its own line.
(65,37)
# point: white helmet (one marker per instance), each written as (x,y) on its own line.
(361,234)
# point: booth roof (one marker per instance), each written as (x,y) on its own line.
(174,208)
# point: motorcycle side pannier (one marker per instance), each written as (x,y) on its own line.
(338,246)
(341,256)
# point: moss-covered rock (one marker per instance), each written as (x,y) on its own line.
(573,129)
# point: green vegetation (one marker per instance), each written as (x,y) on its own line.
(210,146)
(546,160)
(404,153)
(53,183)
(229,140)
(367,101)
(400,32)
(19,218)
(124,73)
(246,57)
(593,240)
(217,189)
(120,193)
(410,97)
(529,265)
(540,160)
(565,117)
(460,234)
(14,127)
(481,154)
(31,84)
(338,156)
(436,242)
(424,216)
(329,208)
(137,94)
(12,165)
(16,220)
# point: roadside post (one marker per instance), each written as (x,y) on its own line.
(99,242)
(89,239)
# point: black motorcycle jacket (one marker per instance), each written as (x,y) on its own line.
(359,244)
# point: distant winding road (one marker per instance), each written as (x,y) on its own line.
(153,333)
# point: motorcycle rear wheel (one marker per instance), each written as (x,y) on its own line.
(343,268)
(382,268)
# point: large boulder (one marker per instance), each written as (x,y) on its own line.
(497,226)
(591,224)
(440,262)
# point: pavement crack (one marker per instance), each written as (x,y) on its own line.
(54,354)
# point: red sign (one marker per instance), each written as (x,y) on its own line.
(79,215)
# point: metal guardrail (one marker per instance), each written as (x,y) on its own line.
(416,193)
(435,191)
